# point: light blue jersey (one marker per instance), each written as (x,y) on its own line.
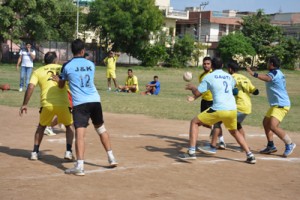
(80,72)
(220,84)
(276,89)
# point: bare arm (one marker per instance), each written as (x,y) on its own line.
(194,90)
(61,83)
(27,97)
(262,77)
(19,62)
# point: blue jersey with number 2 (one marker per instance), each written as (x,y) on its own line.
(80,72)
(220,84)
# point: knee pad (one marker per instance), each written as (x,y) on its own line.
(239,126)
(101,129)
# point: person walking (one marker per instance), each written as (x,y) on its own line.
(280,104)
(80,73)
(221,85)
(26,58)
(54,102)
(111,61)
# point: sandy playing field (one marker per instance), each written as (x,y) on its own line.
(146,149)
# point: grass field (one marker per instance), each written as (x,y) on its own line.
(170,104)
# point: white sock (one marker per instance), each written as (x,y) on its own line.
(287,139)
(110,155)
(221,139)
(80,164)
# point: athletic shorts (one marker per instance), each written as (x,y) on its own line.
(205,104)
(228,117)
(83,112)
(241,117)
(63,113)
(110,74)
(278,112)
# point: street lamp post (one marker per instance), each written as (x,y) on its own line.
(203,4)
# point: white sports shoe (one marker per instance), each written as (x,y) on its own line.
(112,162)
(48,131)
(68,155)
(75,170)
(21,89)
(34,156)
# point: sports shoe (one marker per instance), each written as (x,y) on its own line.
(21,89)
(112,162)
(187,156)
(34,156)
(289,149)
(207,149)
(75,170)
(251,160)
(68,155)
(48,131)
(222,145)
(268,150)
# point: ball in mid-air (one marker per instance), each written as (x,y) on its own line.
(187,76)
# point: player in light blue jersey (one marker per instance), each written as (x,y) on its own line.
(79,72)
(279,106)
(221,85)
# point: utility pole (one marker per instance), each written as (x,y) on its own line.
(77,19)
(203,4)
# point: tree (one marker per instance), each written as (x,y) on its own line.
(37,20)
(126,23)
(235,43)
(263,35)
(181,52)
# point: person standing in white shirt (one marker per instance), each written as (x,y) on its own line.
(26,58)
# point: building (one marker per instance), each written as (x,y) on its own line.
(289,22)
(209,26)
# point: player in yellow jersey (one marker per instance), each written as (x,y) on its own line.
(243,99)
(110,61)
(207,102)
(54,102)
(131,83)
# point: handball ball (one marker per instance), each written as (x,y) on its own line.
(187,76)
(5,87)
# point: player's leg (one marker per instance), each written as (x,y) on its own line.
(276,117)
(97,120)
(22,78)
(270,148)
(27,75)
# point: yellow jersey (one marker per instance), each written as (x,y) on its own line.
(132,81)
(51,94)
(111,62)
(245,87)
(206,95)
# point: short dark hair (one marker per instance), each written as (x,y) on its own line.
(50,57)
(233,66)
(129,70)
(77,46)
(207,58)
(155,76)
(275,61)
(217,63)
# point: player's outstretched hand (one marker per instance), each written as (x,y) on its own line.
(190,98)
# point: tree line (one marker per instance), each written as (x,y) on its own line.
(129,25)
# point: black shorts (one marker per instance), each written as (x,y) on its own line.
(83,112)
(205,104)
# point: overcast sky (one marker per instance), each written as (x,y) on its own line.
(269,6)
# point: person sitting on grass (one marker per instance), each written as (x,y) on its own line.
(153,87)
(131,83)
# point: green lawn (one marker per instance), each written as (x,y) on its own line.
(171,102)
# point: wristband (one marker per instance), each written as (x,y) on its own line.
(255,75)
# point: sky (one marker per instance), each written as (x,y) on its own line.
(269,6)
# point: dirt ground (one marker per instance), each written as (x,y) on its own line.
(146,149)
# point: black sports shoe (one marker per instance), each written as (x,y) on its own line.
(268,150)
(251,160)
(187,156)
